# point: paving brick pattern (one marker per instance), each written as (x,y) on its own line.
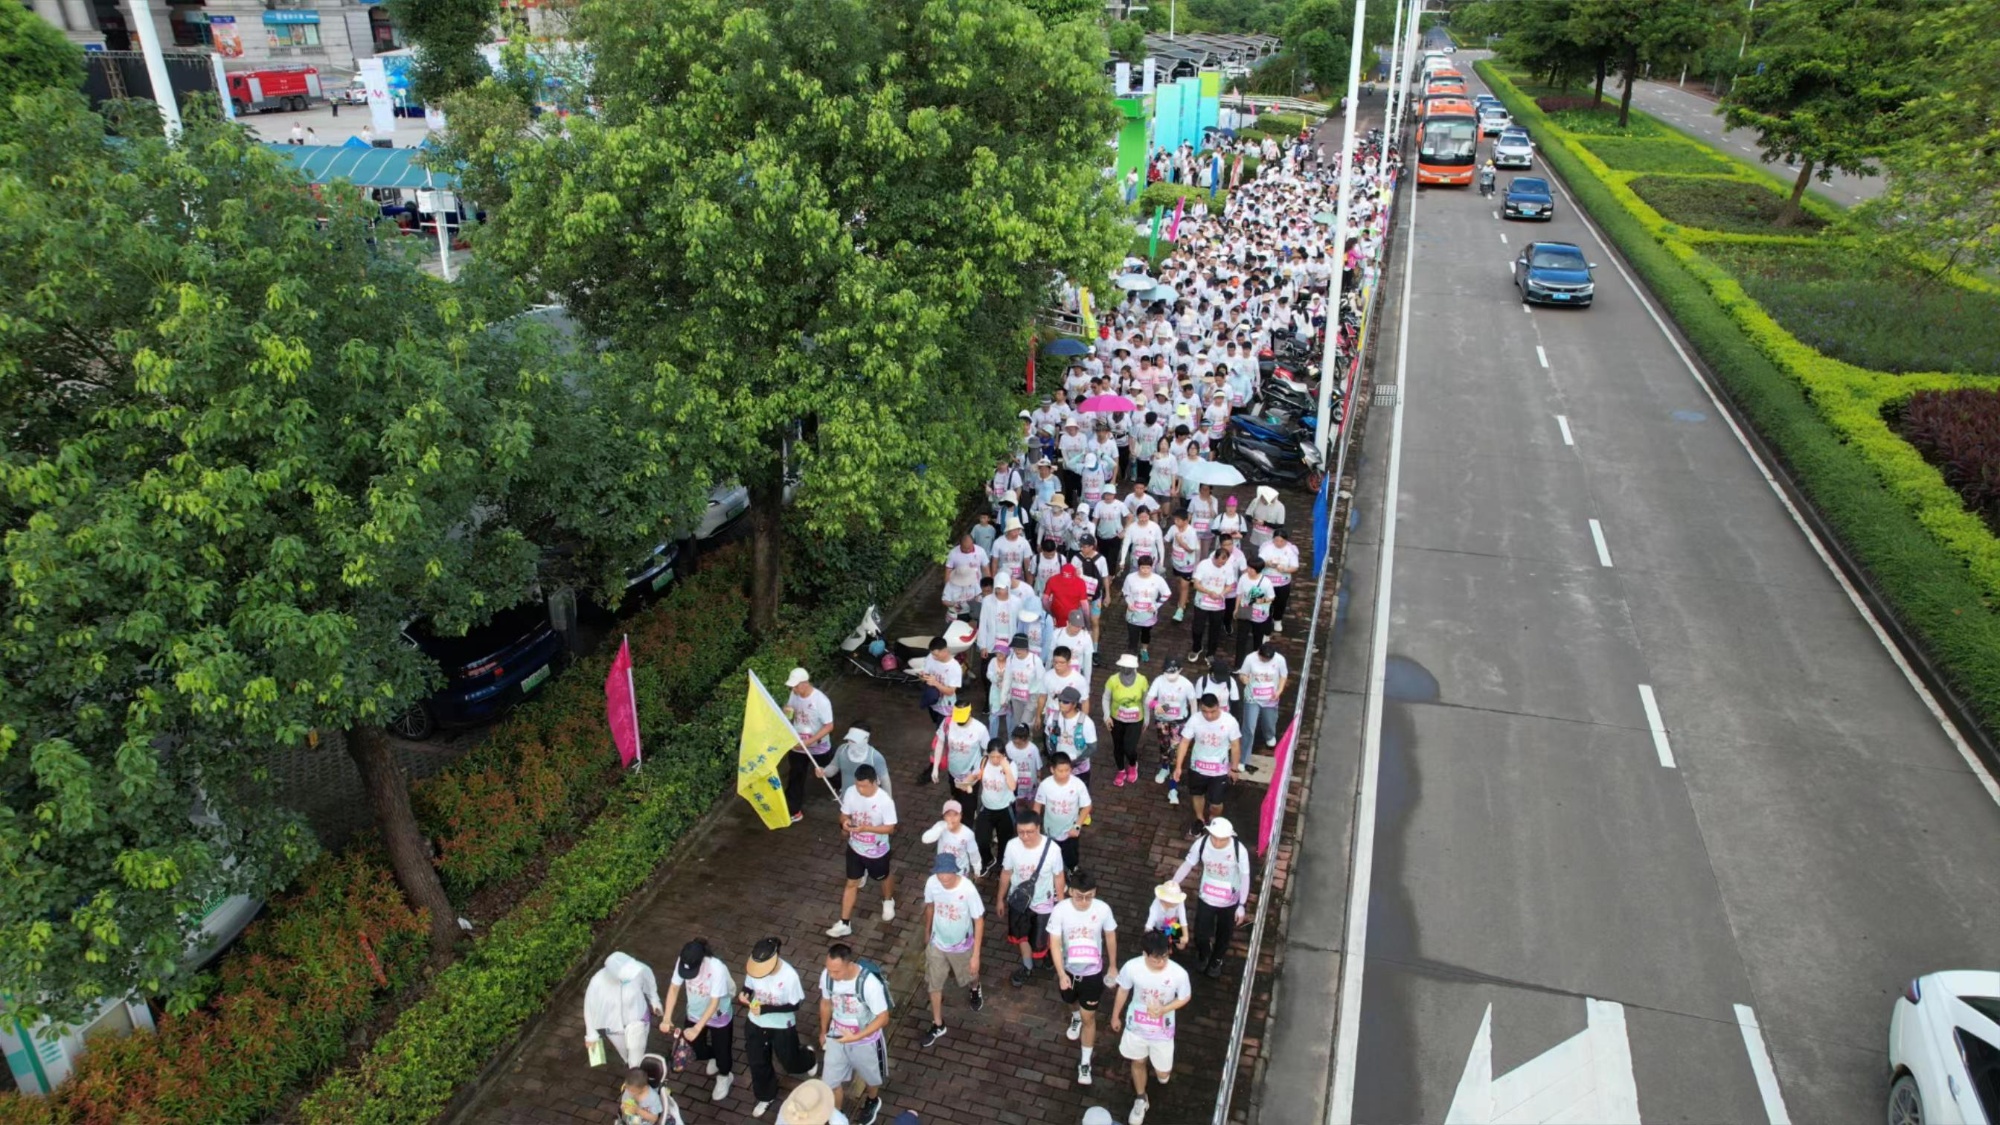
(1009,1063)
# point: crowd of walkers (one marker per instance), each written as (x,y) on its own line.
(1092,516)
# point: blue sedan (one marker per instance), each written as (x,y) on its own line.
(1528,197)
(1554,273)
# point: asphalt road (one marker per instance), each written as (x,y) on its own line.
(1700,118)
(1652,826)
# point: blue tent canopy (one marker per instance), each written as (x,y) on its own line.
(364,166)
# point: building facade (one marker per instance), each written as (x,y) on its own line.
(332,35)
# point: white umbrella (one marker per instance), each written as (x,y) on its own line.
(1135,281)
(1160,292)
(1212,473)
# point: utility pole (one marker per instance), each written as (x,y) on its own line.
(1344,215)
(156,65)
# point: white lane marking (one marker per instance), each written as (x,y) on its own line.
(1930,702)
(1524,304)
(1652,707)
(1354,953)
(1503,242)
(1541,355)
(1562,423)
(1603,551)
(1587,1077)
(1496,214)
(1760,1065)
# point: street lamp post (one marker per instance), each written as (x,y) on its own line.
(1343,216)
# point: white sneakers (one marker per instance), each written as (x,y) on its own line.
(1138,1114)
(722,1085)
(759,1109)
(1075,1031)
(713,1069)
(839,929)
(888,910)
(1083,1074)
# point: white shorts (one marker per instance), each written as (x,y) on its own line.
(1160,1052)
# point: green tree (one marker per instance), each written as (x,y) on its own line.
(34,55)
(1831,78)
(1654,31)
(1941,195)
(447,35)
(1128,39)
(824,228)
(244,447)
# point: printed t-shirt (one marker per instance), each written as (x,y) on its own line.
(1209,754)
(953,910)
(878,809)
(1080,935)
(1148,989)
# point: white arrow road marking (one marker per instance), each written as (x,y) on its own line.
(1585,1079)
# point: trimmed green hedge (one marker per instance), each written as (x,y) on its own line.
(1936,562)
(1640,154)
(1284,126)
(1164,194)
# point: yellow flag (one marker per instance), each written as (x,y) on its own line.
(767,738)
(1089,321)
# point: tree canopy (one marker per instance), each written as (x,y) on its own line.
(823,229)
(447,35)
(1830,81)
(34,55)
(245,447)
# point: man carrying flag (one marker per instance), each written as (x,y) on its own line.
(767,739)
(810,714)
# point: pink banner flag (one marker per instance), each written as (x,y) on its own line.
(1174,228)
(621,706)
(1274,798)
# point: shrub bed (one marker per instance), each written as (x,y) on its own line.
(1936,563)
(1869,312)
(1284,126)
(1735,206)
(1641,154)
(1164,194)
(1604,122)
(1959,432)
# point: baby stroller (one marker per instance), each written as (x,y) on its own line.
(656,1078)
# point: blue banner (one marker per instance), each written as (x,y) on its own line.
(1321,519)
(1167,118)
(291,15)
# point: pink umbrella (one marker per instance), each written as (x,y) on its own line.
(1107,404)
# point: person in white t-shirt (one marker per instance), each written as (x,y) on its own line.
(709,1026)
(1064,802)
(868,819)
(942,675)
(1281,565)
(1033,862)
(811,714)
(956,839)
(1062,673)
(1145,593)
(1264,677)
(964,566)
(1085,937)
(1211,742)
(770,997)
(1151,988)
(1214,584)
(853,1014)
(955,920)
(1222,893)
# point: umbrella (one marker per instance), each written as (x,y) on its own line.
(1066,346)
(1161,292)
(1213,473)
(1327,217)
(1106,404)
(1135,281)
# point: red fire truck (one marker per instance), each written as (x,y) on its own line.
(262,90)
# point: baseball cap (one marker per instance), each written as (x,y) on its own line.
(961,713)
(1220,826)
(798,676)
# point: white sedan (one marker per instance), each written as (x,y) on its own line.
(1944,1050)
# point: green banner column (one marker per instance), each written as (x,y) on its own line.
(1153,246)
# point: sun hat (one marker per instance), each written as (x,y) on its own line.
(944,864)
(811,1103)
(1220,826)
(1170,893)
(961,713)
(1128,661)
(798,676)
(763,958)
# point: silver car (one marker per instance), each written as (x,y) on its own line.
(1494,119)
(1514,149)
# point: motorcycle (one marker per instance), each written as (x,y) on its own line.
(874,656)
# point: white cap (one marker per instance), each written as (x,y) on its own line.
(1220,826)
(798,676)
(1128,661)
(855,734)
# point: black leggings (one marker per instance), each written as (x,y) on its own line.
(993,828)
(718,1043)
(1249,635)
(1138,636)
(1213,926)
(1125,744)
(1211,630)
(1279,600)
(768,1045)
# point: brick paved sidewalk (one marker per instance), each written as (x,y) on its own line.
(1009,1063)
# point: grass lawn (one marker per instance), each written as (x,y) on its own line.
(1869,312)
(1604,122)
(1645,154)
(1734,206)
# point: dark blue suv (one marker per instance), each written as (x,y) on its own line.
(1554,273)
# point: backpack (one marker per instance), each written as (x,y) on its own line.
(870,968)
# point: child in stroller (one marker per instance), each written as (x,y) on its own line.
(645,1100)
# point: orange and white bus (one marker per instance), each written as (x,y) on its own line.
(1447,141)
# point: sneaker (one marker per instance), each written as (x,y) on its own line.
(870,1110)
(1249,766)
(722,1085)
(1138,1114)
(975,997)
(1277,626)
(1118,780)
(839,929)
(1145,656)
(1075,1031)
(713,1069)
(1083,1074)
(1193,832)
(1020,976)
(759,1109)
(888,910)
(798,816)
(1161,777)
(934,1034)
(1214,970)
(1180,614)
(1173,796)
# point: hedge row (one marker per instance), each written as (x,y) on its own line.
(478,1004)
(325,957)
(1284,126)
(1936,563)
(1164,194)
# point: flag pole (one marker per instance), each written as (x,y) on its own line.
(798,738)
(638,741)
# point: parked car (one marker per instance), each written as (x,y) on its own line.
(489,669)
(1493,119)
(1944,1050)
(1554,273)
(1528,197)
(1513,149)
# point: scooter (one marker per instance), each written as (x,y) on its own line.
(870,653)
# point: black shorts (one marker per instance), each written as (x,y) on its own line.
(1084,992)
(1213,788)
(1026,926)
(859,865)
(1184,575)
